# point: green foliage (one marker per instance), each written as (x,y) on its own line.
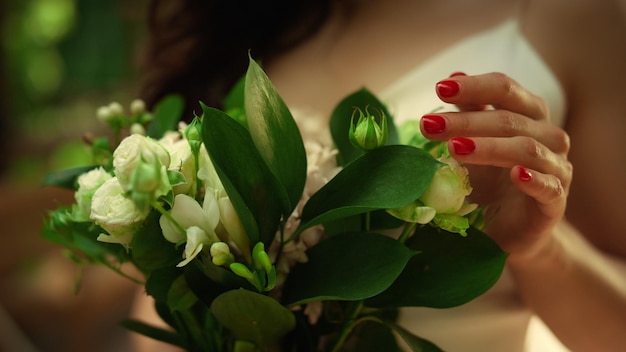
(275,135)
(340,123)
(358,275)
(65,178)
(386,177)
(153,332)
(415,343)
(167,112)
(253,317)
(250,184)
(449,271)
(349,267)
(150,249)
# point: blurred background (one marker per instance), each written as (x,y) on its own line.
(61,60)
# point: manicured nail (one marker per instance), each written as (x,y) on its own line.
(462,145)
(525,175)
(433,123)
(448,88)
(458,73)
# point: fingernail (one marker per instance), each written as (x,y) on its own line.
(458,73)
(462,145)
(433,123)
(447,88)
(525,175)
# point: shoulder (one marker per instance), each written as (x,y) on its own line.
(582,40)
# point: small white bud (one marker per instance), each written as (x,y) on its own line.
(116,109)
(137,107)
(103,113)
(137,128)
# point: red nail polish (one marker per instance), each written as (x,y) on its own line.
(462,145)
(448,88)
(525,175)
(458,73)
(433,123)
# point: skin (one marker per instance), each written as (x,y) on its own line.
(562,227)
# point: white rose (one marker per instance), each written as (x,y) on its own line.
(181,159)
(115,213)
(88,183)
(448,189)
(134,150)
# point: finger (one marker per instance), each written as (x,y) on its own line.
(494,89)
(509,152)
(469,107)
(547,190)
(494,123)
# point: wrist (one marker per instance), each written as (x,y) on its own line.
(546,255)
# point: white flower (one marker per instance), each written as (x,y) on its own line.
(88,183)
(133,151)
(448,189)
(187,214)
(206,170)
(196,240)
(115,213)
(444,201)
(321,167)
(140,163)
(181,159)
(229,219)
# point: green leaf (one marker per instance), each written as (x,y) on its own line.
(208,280)
(372,336)
(167,113)
(340,123)
(253,317)
(66,178)
(150,250)
(384,178)
(159,282)
(180,297)
(349,266)
(81,237)
(415,343)
(153,332)
(250,185)
(449,271)
(234,102)
(275,134)
(175,178)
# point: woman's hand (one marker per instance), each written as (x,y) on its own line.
(516,156)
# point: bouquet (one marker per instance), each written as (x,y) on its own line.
(245,245)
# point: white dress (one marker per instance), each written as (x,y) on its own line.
(496,321)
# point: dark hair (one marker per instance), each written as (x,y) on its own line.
(199,48)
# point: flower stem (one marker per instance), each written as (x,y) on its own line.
(349,325)
(406,232)
(368,221)
(168,216)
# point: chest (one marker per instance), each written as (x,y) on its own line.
(374,44)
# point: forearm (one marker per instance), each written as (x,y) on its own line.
(577,291)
